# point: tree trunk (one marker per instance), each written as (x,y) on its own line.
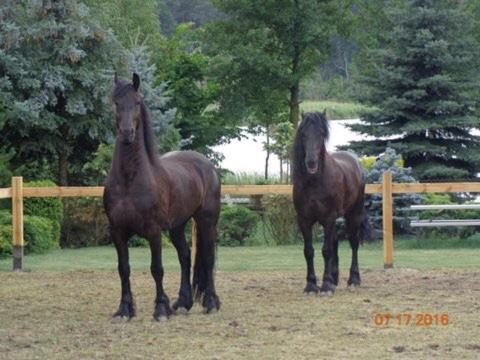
(267,130)
(62,169)
(281,170)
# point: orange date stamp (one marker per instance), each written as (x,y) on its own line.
(411,319)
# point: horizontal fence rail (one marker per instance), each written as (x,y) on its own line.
(387,188)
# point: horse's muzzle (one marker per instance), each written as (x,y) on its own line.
(127,136)
(312,167)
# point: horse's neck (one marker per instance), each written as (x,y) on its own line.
(131,161)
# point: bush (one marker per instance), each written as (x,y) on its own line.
(50,208)
(84,224)
(5,240)
(281,219)
(236,225)
(39,235)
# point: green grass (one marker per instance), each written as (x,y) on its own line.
(250,258)
(246,178)
(335,110)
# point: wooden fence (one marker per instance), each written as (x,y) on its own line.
(387,188)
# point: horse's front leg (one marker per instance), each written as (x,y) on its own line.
(329,257)
(126,309)
(309,252)
(162,305)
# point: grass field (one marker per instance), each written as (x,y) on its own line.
(60,309)
(336,110)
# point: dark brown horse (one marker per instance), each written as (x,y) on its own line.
(326,187)
(146,194)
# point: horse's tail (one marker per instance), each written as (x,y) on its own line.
(366,232)
(203,265)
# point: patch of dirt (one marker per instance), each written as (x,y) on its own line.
(264,315)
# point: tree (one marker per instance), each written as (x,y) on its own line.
(423,90)
(184,69)
(58,74)
(277,43)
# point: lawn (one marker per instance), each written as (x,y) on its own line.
(259,258)
(336,110)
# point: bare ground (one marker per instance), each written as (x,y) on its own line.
(264,315)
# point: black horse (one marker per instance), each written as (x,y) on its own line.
(146,194)
(326,187)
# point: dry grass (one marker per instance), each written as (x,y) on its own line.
(264,315)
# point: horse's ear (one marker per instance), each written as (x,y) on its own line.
(115,78)
(136,81)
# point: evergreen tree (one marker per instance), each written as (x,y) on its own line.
(423,90)
(56,65)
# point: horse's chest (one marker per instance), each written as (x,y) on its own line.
(135,210)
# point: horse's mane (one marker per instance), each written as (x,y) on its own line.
(148,134)
(312,121)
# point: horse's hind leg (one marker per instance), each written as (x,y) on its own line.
(185,299)
(126,309)
(203,279)
(162,305)
(353,223)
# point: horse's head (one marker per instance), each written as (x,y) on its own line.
(312,134)
(127,103)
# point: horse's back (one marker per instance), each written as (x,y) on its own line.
(352,171)
(192,170)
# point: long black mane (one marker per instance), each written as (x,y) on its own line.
(312,121)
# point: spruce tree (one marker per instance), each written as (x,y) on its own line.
(423,91)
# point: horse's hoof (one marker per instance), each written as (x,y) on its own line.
(353,287)
(326,293)
(213,310)
(120,319)
(181,311)
(161,319)
(311,289)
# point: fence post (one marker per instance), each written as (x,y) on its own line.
(387,210)
(17,222)
(194,241)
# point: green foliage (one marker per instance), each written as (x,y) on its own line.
(236,225)
(281,220)
(423,90)
(243,178)
(55,70)
(50,208)
(184,68)
(39,235)
(5,240)
(335,110)
(272,43)
(5,173)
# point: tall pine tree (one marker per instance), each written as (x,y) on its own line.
(423,90)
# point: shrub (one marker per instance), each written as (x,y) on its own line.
(50,208)
(236,224)
(5,240)
(84,224)
(39,235)
(281,219)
